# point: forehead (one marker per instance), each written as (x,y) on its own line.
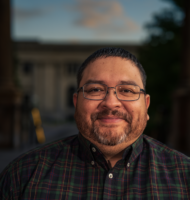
(112,71)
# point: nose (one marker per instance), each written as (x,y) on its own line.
(111,101)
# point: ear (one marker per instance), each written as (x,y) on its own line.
(147,101)
(75,95)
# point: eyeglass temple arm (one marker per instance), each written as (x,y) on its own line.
(79,89)
(143,91)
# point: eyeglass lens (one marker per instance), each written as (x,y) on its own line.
(96,91)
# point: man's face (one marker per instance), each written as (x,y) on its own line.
(111,121)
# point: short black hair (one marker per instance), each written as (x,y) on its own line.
(111,52)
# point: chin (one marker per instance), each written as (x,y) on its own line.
(108,136)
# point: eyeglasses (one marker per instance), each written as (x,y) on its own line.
(97,91)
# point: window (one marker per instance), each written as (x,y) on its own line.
(27,67)
(72,67)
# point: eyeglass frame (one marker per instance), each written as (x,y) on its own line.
(141,90)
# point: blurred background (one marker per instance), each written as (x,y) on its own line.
(42,44)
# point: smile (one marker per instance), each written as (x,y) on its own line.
(110,119)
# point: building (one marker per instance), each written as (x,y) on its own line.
(47,74)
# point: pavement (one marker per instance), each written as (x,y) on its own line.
(52,133)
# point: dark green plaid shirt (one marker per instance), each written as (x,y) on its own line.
(74,169)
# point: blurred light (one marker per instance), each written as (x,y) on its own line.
(40,135)
(36,117)
(38,125)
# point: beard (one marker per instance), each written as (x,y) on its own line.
(109,136)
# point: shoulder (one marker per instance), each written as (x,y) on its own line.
(30,165)
(163,152)
(48,153)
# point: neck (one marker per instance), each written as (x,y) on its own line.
(112,157)
(112,154)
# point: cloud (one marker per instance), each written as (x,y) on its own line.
(103,16)
(23,14)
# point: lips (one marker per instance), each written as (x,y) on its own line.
(110,119)
(111,116)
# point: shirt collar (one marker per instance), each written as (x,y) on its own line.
(137,148)
(84,149)
(88,154)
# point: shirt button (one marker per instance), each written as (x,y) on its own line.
(92,162)
(93,149)
(128,164)
(110,175)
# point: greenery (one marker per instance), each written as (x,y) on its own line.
(160,55)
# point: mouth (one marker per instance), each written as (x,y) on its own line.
(110,119)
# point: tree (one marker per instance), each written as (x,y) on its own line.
(160,55)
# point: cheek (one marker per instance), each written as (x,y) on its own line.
(130,107)
(87,107)
(133,108)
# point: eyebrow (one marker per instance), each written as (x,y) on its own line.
(129,82)
(102,82)
(94,81)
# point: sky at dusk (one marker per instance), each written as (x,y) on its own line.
(83,21)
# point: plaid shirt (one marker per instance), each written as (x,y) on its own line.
(74,169)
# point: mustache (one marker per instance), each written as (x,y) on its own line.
(116,113)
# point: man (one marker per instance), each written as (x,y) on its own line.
(110,158)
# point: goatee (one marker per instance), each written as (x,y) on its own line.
(108,136)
